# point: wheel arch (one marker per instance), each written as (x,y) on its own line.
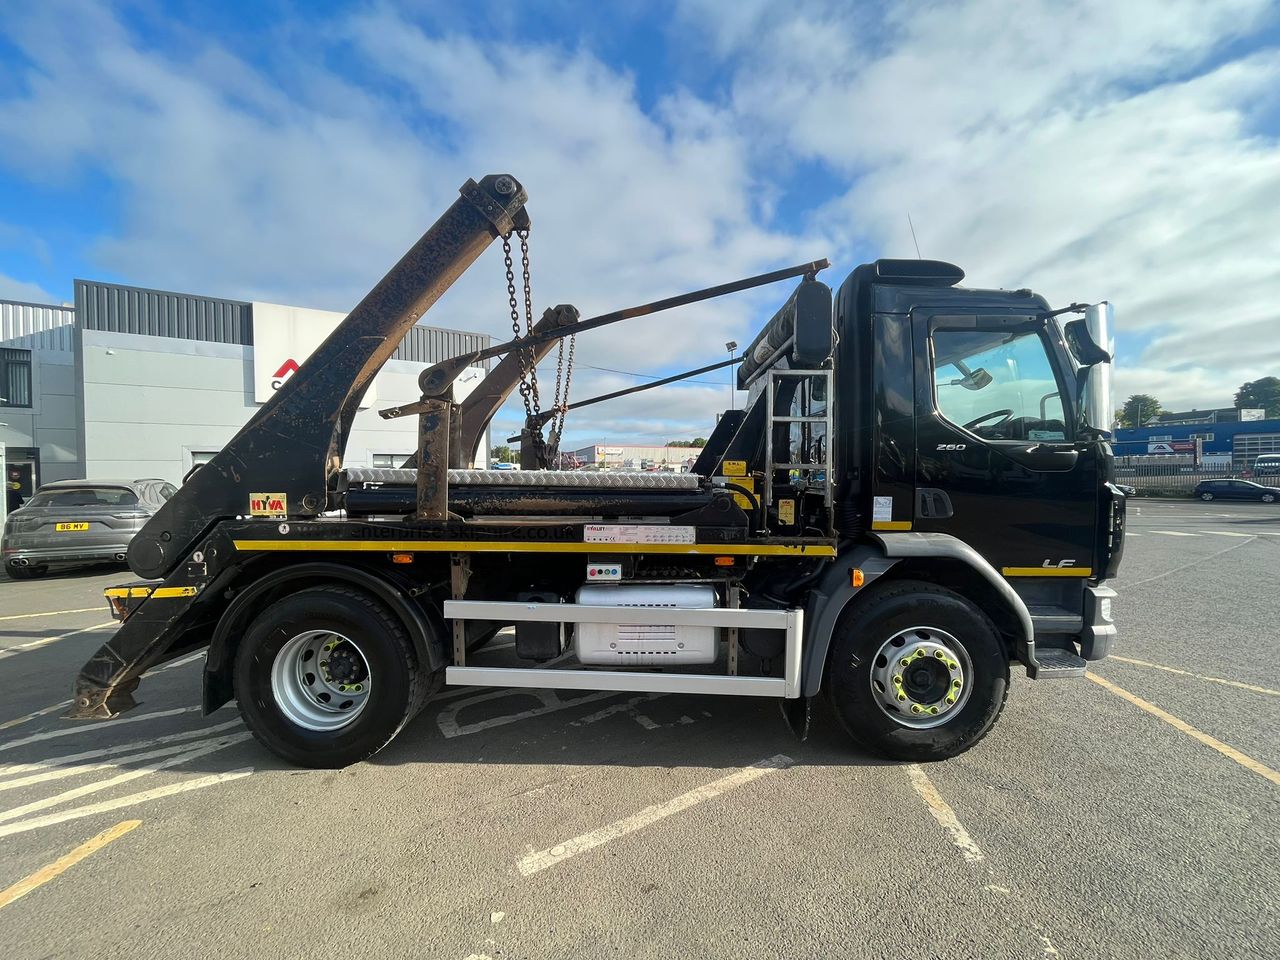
(931,557)
(425,627)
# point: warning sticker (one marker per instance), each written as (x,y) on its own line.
(734,468)
(787,512)
(881,508)
(268,505)
(746,483)
(636,533)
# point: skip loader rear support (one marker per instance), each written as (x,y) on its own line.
(916,497)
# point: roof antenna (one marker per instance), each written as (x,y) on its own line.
(913,235)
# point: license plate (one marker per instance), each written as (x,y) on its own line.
(71,527)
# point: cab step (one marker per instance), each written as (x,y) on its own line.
(1056,663)
(1048,618)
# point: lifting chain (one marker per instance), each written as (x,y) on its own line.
(561,400)
(528,368)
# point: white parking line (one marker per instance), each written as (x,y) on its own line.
(43,711)
(1199,676)
(199,749)
(61,772)
(1226,533)
(1175,533)
(68,759)
(81,727)
(45,641)
(51,613)
(447,719)
(943,813)
(545,859)
(75,813)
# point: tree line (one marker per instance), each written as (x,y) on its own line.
(1142,408)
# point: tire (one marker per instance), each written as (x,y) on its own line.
(1206,497)
(1268,498)
(397,684)
(26,573)
(918,609)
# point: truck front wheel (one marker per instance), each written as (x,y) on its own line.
(917,673)
(326,677)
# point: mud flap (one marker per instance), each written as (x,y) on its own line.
(796,714)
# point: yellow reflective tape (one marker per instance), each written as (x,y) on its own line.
(1047,571)
(519,546)
(890,524)
(143,592)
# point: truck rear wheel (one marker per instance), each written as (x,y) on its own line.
(917,673)
(327,677)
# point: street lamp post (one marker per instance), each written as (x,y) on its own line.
(731,346)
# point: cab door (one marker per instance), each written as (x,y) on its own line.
(998,461)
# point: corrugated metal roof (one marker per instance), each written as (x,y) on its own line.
(36,326)
(425,344)
(159,313)
(117,308)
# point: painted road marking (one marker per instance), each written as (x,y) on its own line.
(199,749)
(1199,676)
(1191,563)
(68,759)
(82,727)
(544,859)
(106,806)
(45,641)
(79,769)
(943,813)
(43,711)
(1230,752)
(1175,533)
(1227,533)
(53,613)
(66,862)
(447,719)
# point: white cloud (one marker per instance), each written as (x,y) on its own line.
(11,289)
(1088,150)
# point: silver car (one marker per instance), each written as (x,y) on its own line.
(78,521)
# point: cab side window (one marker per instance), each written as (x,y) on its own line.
(998,384)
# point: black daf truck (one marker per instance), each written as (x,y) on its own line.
(916,500)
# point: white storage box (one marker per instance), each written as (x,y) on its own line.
(649,644)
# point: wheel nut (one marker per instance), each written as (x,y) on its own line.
(902,697)
(357,687)
(951,698)
(939,654)
(897,678)
(956,684)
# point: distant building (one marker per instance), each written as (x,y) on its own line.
(136,383)
(1220,415)
(631,456)
(1242,441)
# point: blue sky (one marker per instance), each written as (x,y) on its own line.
(292,151)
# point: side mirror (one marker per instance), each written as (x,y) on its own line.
(1085,349)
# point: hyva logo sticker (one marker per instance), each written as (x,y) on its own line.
(268,505)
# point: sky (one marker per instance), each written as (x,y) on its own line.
(291,151)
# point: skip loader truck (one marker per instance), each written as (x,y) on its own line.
(917,499)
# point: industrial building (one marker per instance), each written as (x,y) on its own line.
(1237,442)
(630,456)
(132,383)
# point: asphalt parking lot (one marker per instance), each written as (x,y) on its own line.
(1128,815)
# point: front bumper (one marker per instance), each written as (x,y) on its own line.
(1099,629)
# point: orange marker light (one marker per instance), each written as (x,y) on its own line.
(402,558)
(724,561)
(856,578)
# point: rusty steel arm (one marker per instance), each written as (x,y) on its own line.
(547,415)
(436,380)
(294,444)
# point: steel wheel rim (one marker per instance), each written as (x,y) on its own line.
(921,677)
(321,680)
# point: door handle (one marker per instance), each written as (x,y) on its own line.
(1046,458)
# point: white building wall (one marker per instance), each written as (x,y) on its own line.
(152,403)
(49,424)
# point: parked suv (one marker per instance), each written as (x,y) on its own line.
(1267,465)
(78,521)
(1236,490)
